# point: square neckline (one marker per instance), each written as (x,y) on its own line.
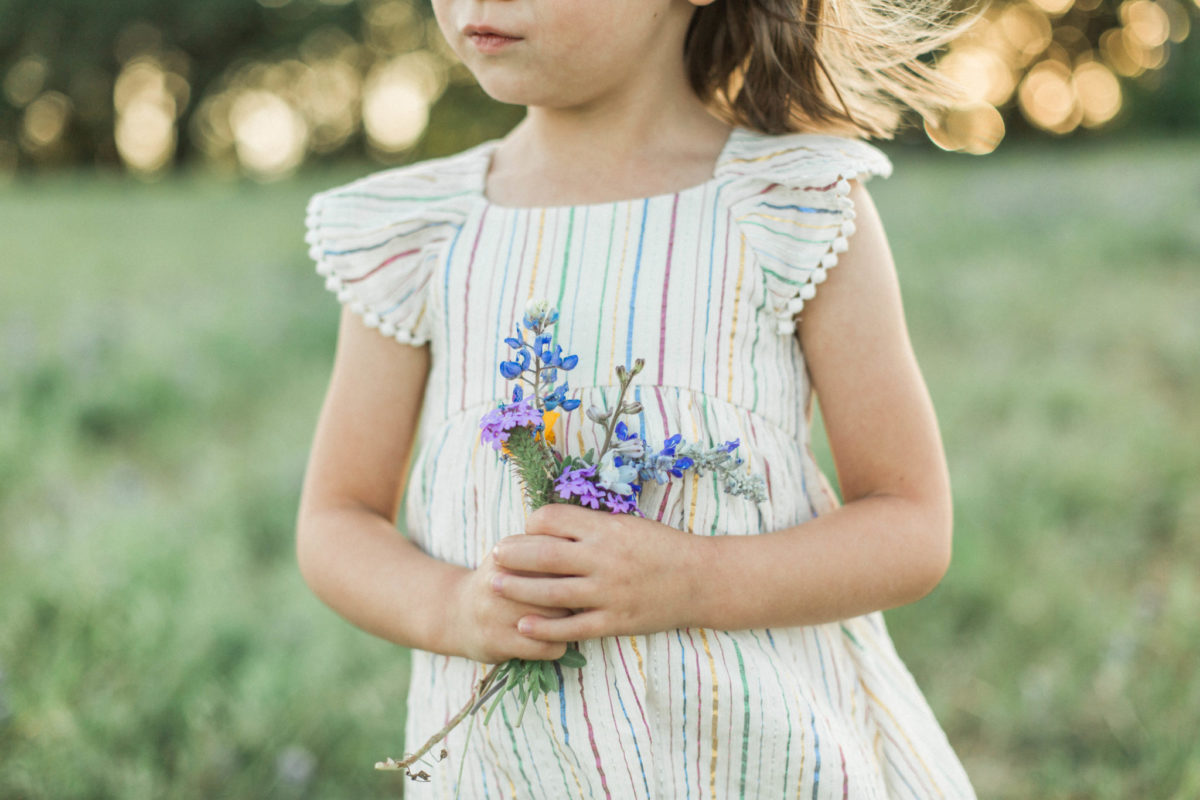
(489,151)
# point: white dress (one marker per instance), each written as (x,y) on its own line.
(703,284)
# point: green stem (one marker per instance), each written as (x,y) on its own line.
(611,425)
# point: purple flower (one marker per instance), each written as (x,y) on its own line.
(497,423)
(619,504)
(579,484)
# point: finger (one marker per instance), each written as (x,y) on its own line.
(575,628)
(556,519)
(550,592)
(545,611)
(539,554)
(531,649)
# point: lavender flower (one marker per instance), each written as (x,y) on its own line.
(497,423)
(581,486)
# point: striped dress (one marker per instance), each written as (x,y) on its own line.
(704,285)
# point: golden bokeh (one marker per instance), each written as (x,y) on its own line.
(148,99)
(269,135)
(397,95)
(1060,62)
(1054,8)
(981,71)
(45,121)
(145,135)
(975,129)
(1063,74)
(1099,92)
(1027,29)
(1146,22)
(1047,97)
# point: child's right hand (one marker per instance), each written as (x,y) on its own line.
(485,623)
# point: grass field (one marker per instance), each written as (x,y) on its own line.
(163,353)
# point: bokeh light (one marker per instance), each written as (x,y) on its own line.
(44,122)
(975,129)
(1099,92)
(1062,61)
(365,75)
(269,135)
(147,100)
(396,100)
(24,80)
(1047,97)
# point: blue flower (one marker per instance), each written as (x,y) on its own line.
(615,475)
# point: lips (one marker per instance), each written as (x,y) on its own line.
(487,30)
(490,41)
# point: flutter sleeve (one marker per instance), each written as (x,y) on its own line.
(377,243)
(793,207)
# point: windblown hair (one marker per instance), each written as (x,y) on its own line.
(830,66)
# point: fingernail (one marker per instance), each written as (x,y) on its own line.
(497,583)
(524,625)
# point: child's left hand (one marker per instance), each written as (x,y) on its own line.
(623,574)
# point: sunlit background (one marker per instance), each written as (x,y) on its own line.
(263,88)
(165,344)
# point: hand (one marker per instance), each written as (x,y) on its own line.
(623,574)
(486,622)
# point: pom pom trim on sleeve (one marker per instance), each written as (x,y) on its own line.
(336,263)
(787,314)
(795,211)
(377,240)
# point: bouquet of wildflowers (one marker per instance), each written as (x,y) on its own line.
(611,480)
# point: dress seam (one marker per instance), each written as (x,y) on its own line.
(455,415)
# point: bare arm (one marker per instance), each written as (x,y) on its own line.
(890,543)
(347,545)
(887,546)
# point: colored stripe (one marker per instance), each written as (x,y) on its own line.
(739,247)
(662,315)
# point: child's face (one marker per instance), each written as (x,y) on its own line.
(568,51)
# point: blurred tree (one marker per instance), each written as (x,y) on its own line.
(263,85)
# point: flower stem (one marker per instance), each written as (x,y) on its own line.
(611,424)
(405,763)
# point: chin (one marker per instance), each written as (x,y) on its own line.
(525,91)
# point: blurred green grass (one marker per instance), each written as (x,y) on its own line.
(164,352)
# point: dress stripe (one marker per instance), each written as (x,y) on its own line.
(706,284)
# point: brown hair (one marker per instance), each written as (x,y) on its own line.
(836,66)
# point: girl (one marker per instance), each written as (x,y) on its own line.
(684,182)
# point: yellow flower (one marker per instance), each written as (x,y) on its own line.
(549,418)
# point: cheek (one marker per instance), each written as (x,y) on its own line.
(443,13)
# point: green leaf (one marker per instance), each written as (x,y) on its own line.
(548,679)
(573,659)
